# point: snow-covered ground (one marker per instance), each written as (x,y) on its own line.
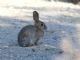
(62,20)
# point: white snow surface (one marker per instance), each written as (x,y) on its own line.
(63,33)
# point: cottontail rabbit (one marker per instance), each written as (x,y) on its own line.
(30,34)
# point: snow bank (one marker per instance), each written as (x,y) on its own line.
(62,20)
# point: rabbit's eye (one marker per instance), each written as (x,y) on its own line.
(42,24)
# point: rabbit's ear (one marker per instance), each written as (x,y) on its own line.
(35,16)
